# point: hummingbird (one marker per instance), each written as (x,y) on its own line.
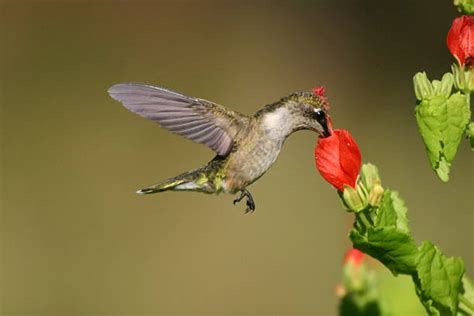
(245,146)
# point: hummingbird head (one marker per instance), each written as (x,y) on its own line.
(309,111)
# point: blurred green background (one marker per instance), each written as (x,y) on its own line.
(76,239)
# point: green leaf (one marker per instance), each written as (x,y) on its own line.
(389,240)
(468,294)
(438,279)
(457,121)
(393,212)
(395,249)
(430,118)
(442,122)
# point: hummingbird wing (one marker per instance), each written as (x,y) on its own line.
(200,120)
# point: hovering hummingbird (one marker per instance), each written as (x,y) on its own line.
(246,146)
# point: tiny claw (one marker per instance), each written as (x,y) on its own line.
(250,203)
(241,196)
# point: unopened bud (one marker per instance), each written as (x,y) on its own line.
(458,75)
(465,6)
(469,80)
(423,87)
(355,199)
(376,195)
(369,176)
(463,78)
(446,85)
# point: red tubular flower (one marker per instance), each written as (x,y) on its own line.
(338,159)
(354,256)
(460,39)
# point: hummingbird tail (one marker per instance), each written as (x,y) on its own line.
(195,180)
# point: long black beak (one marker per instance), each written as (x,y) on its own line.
(326,132)
(322,118)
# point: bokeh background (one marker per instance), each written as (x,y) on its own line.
(76,239)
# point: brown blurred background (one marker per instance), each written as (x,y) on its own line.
(76,239)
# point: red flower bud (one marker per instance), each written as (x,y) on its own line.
(338,159)
(460,39)
(354,256)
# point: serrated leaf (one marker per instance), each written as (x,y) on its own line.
(392,212)
(442,122)
(429,116)
(394,248)
(457,121)
(443,169)
(468,293)
(439,280)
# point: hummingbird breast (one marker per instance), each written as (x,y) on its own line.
(255,150)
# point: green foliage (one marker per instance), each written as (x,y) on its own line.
(383,233)
(360,291)
(389,239)
(442,120)
(438,279)
(393,212)
(349,306)
(396,250)
(465,6)
(466,301)
(381,225)
(368,290)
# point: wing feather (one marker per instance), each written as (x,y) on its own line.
(199,120)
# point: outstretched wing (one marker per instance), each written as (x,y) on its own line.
(196,119)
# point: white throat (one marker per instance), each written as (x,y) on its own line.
(276,123)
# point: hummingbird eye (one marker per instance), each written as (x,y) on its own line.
(319,116)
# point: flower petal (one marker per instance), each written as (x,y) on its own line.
(460,39)
(338,159)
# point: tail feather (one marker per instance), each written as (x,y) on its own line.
(195,180)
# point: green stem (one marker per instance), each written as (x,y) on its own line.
(358,225)
(465,301)
(364,219)
(372,212)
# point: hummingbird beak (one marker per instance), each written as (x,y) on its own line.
(326,131)
(324,121)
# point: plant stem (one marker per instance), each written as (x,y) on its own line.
(372,211)
(465,301)
(364,220)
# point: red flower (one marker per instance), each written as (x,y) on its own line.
(460,39)
(338,159)
(354,256)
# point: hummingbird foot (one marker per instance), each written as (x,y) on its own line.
(250,202)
